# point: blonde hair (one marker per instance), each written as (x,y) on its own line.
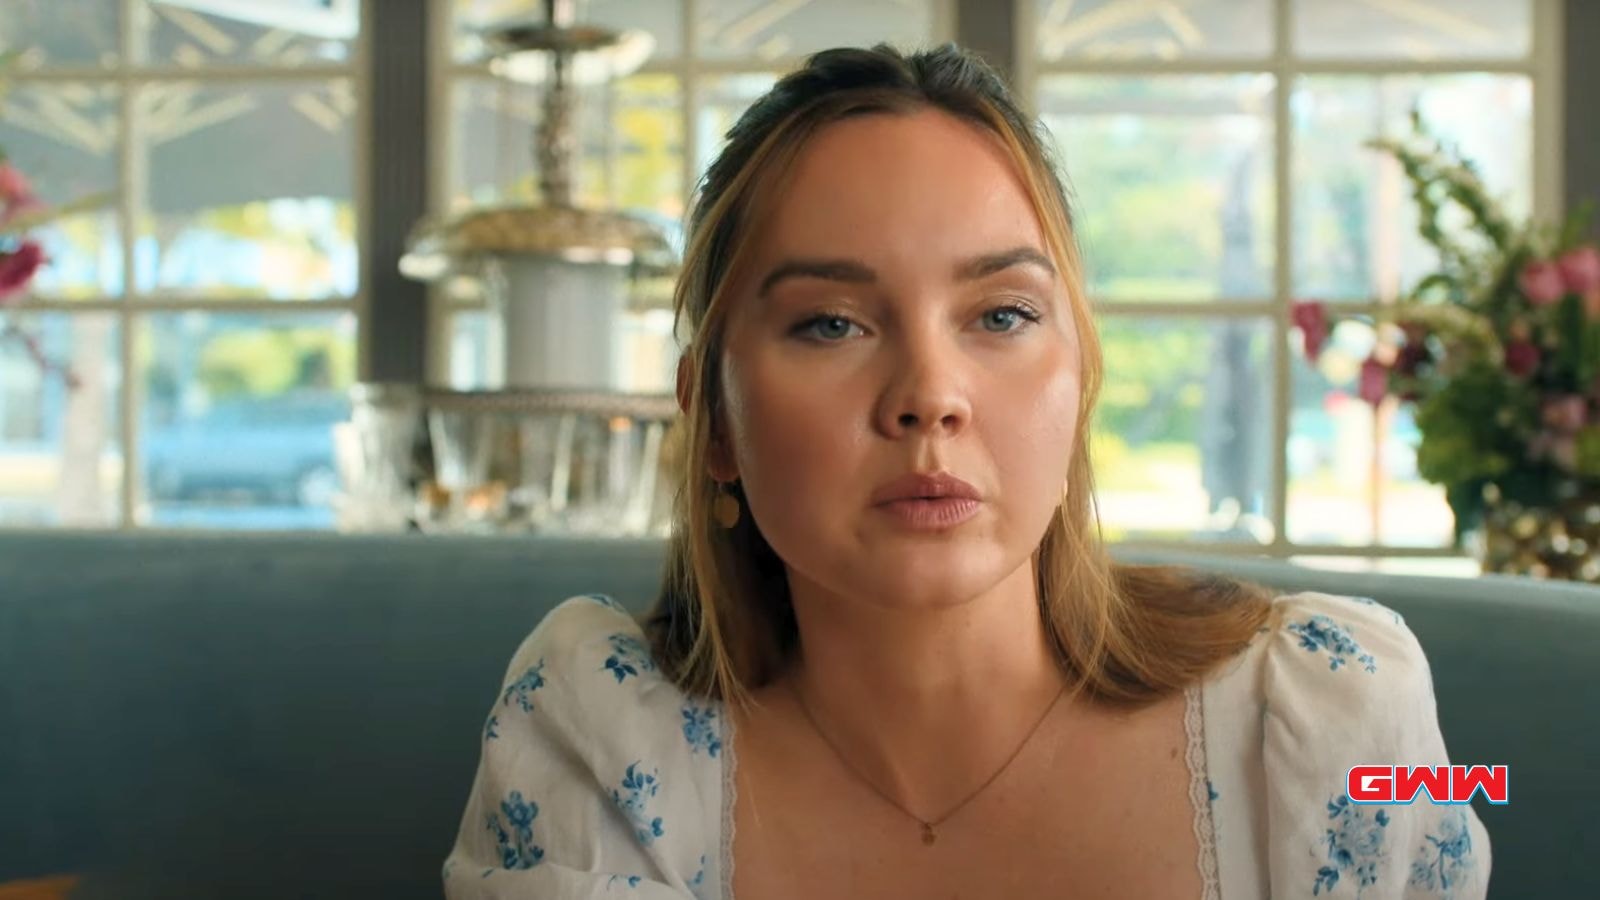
(722,624)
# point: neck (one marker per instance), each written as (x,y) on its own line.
(925,702)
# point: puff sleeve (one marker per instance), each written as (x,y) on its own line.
(1346,683)
(598,778)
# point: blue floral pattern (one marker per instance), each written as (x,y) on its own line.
(628,657)
(699,879)
(700,731)
(1320,633)
(633,798)
(1446,858)
(608,600)
(523,687)
(1355,846)
(517,849)
(631,880)
(489,733)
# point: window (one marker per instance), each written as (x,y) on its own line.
(644,138)
(210,306)
(1214,148)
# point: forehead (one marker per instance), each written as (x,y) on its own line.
(881,181)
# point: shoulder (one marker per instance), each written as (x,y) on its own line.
(587,649)
(585,677)
(1345,682)
(1352,657)
(581,630)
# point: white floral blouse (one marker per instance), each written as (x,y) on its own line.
(599,778)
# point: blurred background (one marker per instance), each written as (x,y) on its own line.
(267,160)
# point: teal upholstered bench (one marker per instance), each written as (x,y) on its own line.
(277,716)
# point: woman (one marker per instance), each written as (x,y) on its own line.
(890,657)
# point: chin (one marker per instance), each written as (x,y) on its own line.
(932,578)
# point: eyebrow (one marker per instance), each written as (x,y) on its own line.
(853,272)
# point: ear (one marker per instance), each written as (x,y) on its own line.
(718,462)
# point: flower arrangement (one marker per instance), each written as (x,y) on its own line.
(1497,351)
(21,256)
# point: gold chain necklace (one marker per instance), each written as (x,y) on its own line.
(929,836)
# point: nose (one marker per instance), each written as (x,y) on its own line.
(926,393)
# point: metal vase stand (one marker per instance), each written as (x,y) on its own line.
(557,448)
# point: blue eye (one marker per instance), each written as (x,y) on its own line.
(830,328)
(1011,312)
(824,327)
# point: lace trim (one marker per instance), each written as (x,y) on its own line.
(1200,792)
(730,790)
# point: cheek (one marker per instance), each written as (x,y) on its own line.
(787,436)
(1035,439)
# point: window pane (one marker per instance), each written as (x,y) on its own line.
(1173,182)
(61,32)
(491,141)
(631,145)
(1355,222)
(661,19)
(646,144)
(1413,29)
(198,33)
(1116,29)
(63,138)
(60,448)
(277,220)
(238,415)
(764,30)
(1181,442)
(1343,487)
(722,101)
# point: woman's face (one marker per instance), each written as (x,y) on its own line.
(899,314)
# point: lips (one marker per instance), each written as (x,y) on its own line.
(925,486)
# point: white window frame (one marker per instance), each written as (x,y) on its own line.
(133,306)
(1542,66)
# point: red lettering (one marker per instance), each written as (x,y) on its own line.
(1436,779)
(1440,784)
(1491,778)
(1371,784)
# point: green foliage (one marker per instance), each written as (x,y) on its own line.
(1462,435)
(267,362)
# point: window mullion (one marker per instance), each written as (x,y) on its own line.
(1283,270)
(131,175)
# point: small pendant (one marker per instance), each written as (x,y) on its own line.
(928,837)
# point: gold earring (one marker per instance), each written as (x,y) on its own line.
(725,511)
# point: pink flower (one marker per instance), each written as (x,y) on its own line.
(18,267)
(1311,318)
(1566,413)
(22,207)
(14,186)
(1560,449)
(1580,269)
(1522,358)
(1541,282)
(1374,384)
